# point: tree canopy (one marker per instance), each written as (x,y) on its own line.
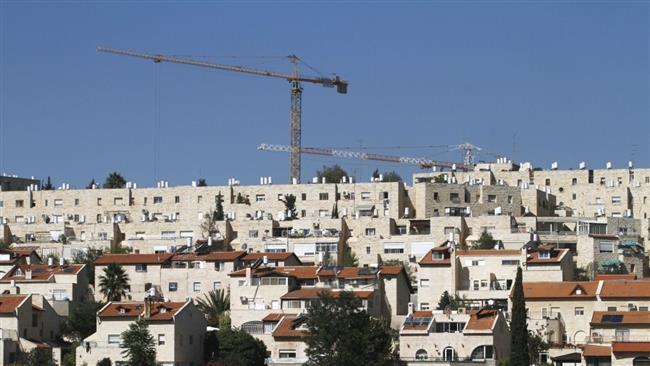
(349,259)
(486,241)
(214,304)
(138,344)
(81,322)
(332,174)
(115,180)
(519,352)
(235,347)
(355,338)
(289,201)
(114,282)
(390,176)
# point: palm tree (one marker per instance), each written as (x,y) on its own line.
(114,282)
(213,305)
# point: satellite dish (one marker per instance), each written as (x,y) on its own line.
(244,246)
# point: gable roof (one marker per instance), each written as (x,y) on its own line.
(484,319)
(40,272)
(631,347)
(299,272)
(428,260)
(209,257)
(556,256)
(9,303)
(613,318)
(282,256)
(559,290)
(288,327)
(625,289)
(159,310)
(313,292)
(623,276)
(591,350)
(129,259)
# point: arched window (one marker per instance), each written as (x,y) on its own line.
(485,352)
(580,337)
(449,354)
(421,355)
(253,327)
(641,361)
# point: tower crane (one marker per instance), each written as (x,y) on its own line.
(422,162)
(294,78)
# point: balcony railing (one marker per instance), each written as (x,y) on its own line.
(465,360)
(598,339)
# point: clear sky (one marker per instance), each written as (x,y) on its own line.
(535,81)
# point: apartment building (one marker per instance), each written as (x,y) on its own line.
(178,329)
(60,284)
(257,292)
(482,276)
(435,338)
(26,323)
(173,276)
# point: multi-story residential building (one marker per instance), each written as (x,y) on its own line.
(60,284)
(26,323)
(481,337)
(480,276)
(178,329)
(176,277)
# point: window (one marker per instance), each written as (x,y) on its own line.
(253,233)
(219,266)
(216,285)
(449,230)
(161,339)
(113,339)
(547,181)
(292,304)
(435,196)
(573,196)
(260,197)
(197,286)
(304,196)
(141,268)
(421,355)
(2,204)
(287,353)
(492,198)
(365,196)
(268,327)
(483,352)
(177,199)
(157,200)
(424,306)
(454,197)
(438,255)
(622,335)
(393,248)
(99,201)
(510,200)
(326,247)
(544,254)
(616,200)
(611,308)
(20,203)
(323,196)
(102,236)
(484,283)
(199,198)
(606,247)
(476,285)
(424,282)
(173,286)
(449,354)
(509,262)
(579,311)
(370,231)
(34,320)
(58,202)
(367,249)
(574,181)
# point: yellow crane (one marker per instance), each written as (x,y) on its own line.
(294,78)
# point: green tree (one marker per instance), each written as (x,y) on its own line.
(202,183)
(537,344)
(38,356)
(392,176)
(105,362)
(88,258)
(238,348)
(69,355)
(218,211)
(115,180)
(138,344)
(354,338)
(80,323)
(452,302)
(349,259)
(209,224)
(289,201)
(213,305)
(519,355)
(485,241)
(91,184)
(114,282)
(332,174)
(48,186)
(440,178)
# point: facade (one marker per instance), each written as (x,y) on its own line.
(178,329)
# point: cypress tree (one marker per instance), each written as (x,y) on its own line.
(518,327)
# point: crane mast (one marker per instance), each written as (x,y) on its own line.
(295,78)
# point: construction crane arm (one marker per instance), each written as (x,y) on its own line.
(341,85)
(422,162)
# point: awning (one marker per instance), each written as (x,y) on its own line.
(569,357)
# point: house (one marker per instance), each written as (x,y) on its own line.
(143,270)
(272,259)
(178,329)
(435,337)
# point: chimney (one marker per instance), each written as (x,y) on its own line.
(28,274)
(249,275)
(28,260)
(50,261)
(61,261)
(265,260)
(147,307)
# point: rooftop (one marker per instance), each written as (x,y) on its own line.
(133,258)
(159,310)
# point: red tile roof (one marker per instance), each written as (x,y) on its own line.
(286,328)
(282,256)
(482,320)
(391,270)
(555,290)
(627,317)
(354,273)
(313,292)
(299,272)
(487,252)
(9,303)
(625,289)
(556,257)
(209,257)
(159,310)
(41,272)
(428,260)
(133,258)
(631,347)
(591,350)
(625,276)
(273,317)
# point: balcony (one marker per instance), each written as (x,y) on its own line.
(444,361)
(623,337)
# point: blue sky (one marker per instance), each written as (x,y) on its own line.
(535,81)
